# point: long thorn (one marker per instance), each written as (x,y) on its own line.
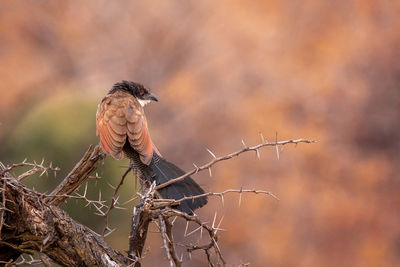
(212,154)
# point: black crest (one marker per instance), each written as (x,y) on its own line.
(135,89)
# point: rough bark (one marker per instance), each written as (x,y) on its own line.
(33,225)
(33,222)
(77,176)
(140,223)
(137,237)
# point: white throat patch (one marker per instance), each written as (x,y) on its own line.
(143,102)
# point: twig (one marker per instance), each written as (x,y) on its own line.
(231,155)
(168,242)
(45,218)
(114,200)
(35,169)
(172,202)
(140,223)
(168,225)
(23,261)
(45,260)
(77,176)
(210,229)
(3,205)
(37,226)
(98,204)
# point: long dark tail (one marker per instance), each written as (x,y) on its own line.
(164,171)
(161,171)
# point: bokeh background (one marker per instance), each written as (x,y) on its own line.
(224,71)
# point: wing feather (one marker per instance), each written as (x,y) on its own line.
(120,117)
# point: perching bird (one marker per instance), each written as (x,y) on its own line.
(122,126)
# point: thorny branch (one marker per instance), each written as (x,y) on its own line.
(212,232)
(36,226)
(34,223)
(234,154)
(24,261)
(3,207)
(172,202)
(140,223)
(113,202)
(149,209)
(166,212)
(77,176)
(35,168)
(166,235)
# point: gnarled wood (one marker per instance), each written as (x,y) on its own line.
(33,225)
(77,176)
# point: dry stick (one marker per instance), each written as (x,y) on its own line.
(140,223)
(9,254)
(113,200)
(45,260)
(168,227)
(35,168)
(206,249)
(97,204)
(167,243)
(73,180)
(231,155)
(172,202)
(211,230)
(3,205)
(77,176)
(35,225)
(88,163)
(139,228)
(32,262)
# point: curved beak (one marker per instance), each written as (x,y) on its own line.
(153,97)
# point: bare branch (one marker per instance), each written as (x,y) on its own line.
(35,168)
(37,226)
(3,205)
(114,201)
(140,223)
(231,155)
(276,146)
(160,203)
(42,226)
(168,241)
(77,176)
(210,229)
(23,261)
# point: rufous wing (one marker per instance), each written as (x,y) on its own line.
(120,118)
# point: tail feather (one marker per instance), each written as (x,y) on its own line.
(164,171)
(161,171)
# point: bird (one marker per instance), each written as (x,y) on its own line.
(122,126)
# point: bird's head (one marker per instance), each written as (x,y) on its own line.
(141,93)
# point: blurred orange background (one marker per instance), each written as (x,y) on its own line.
(224,71)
